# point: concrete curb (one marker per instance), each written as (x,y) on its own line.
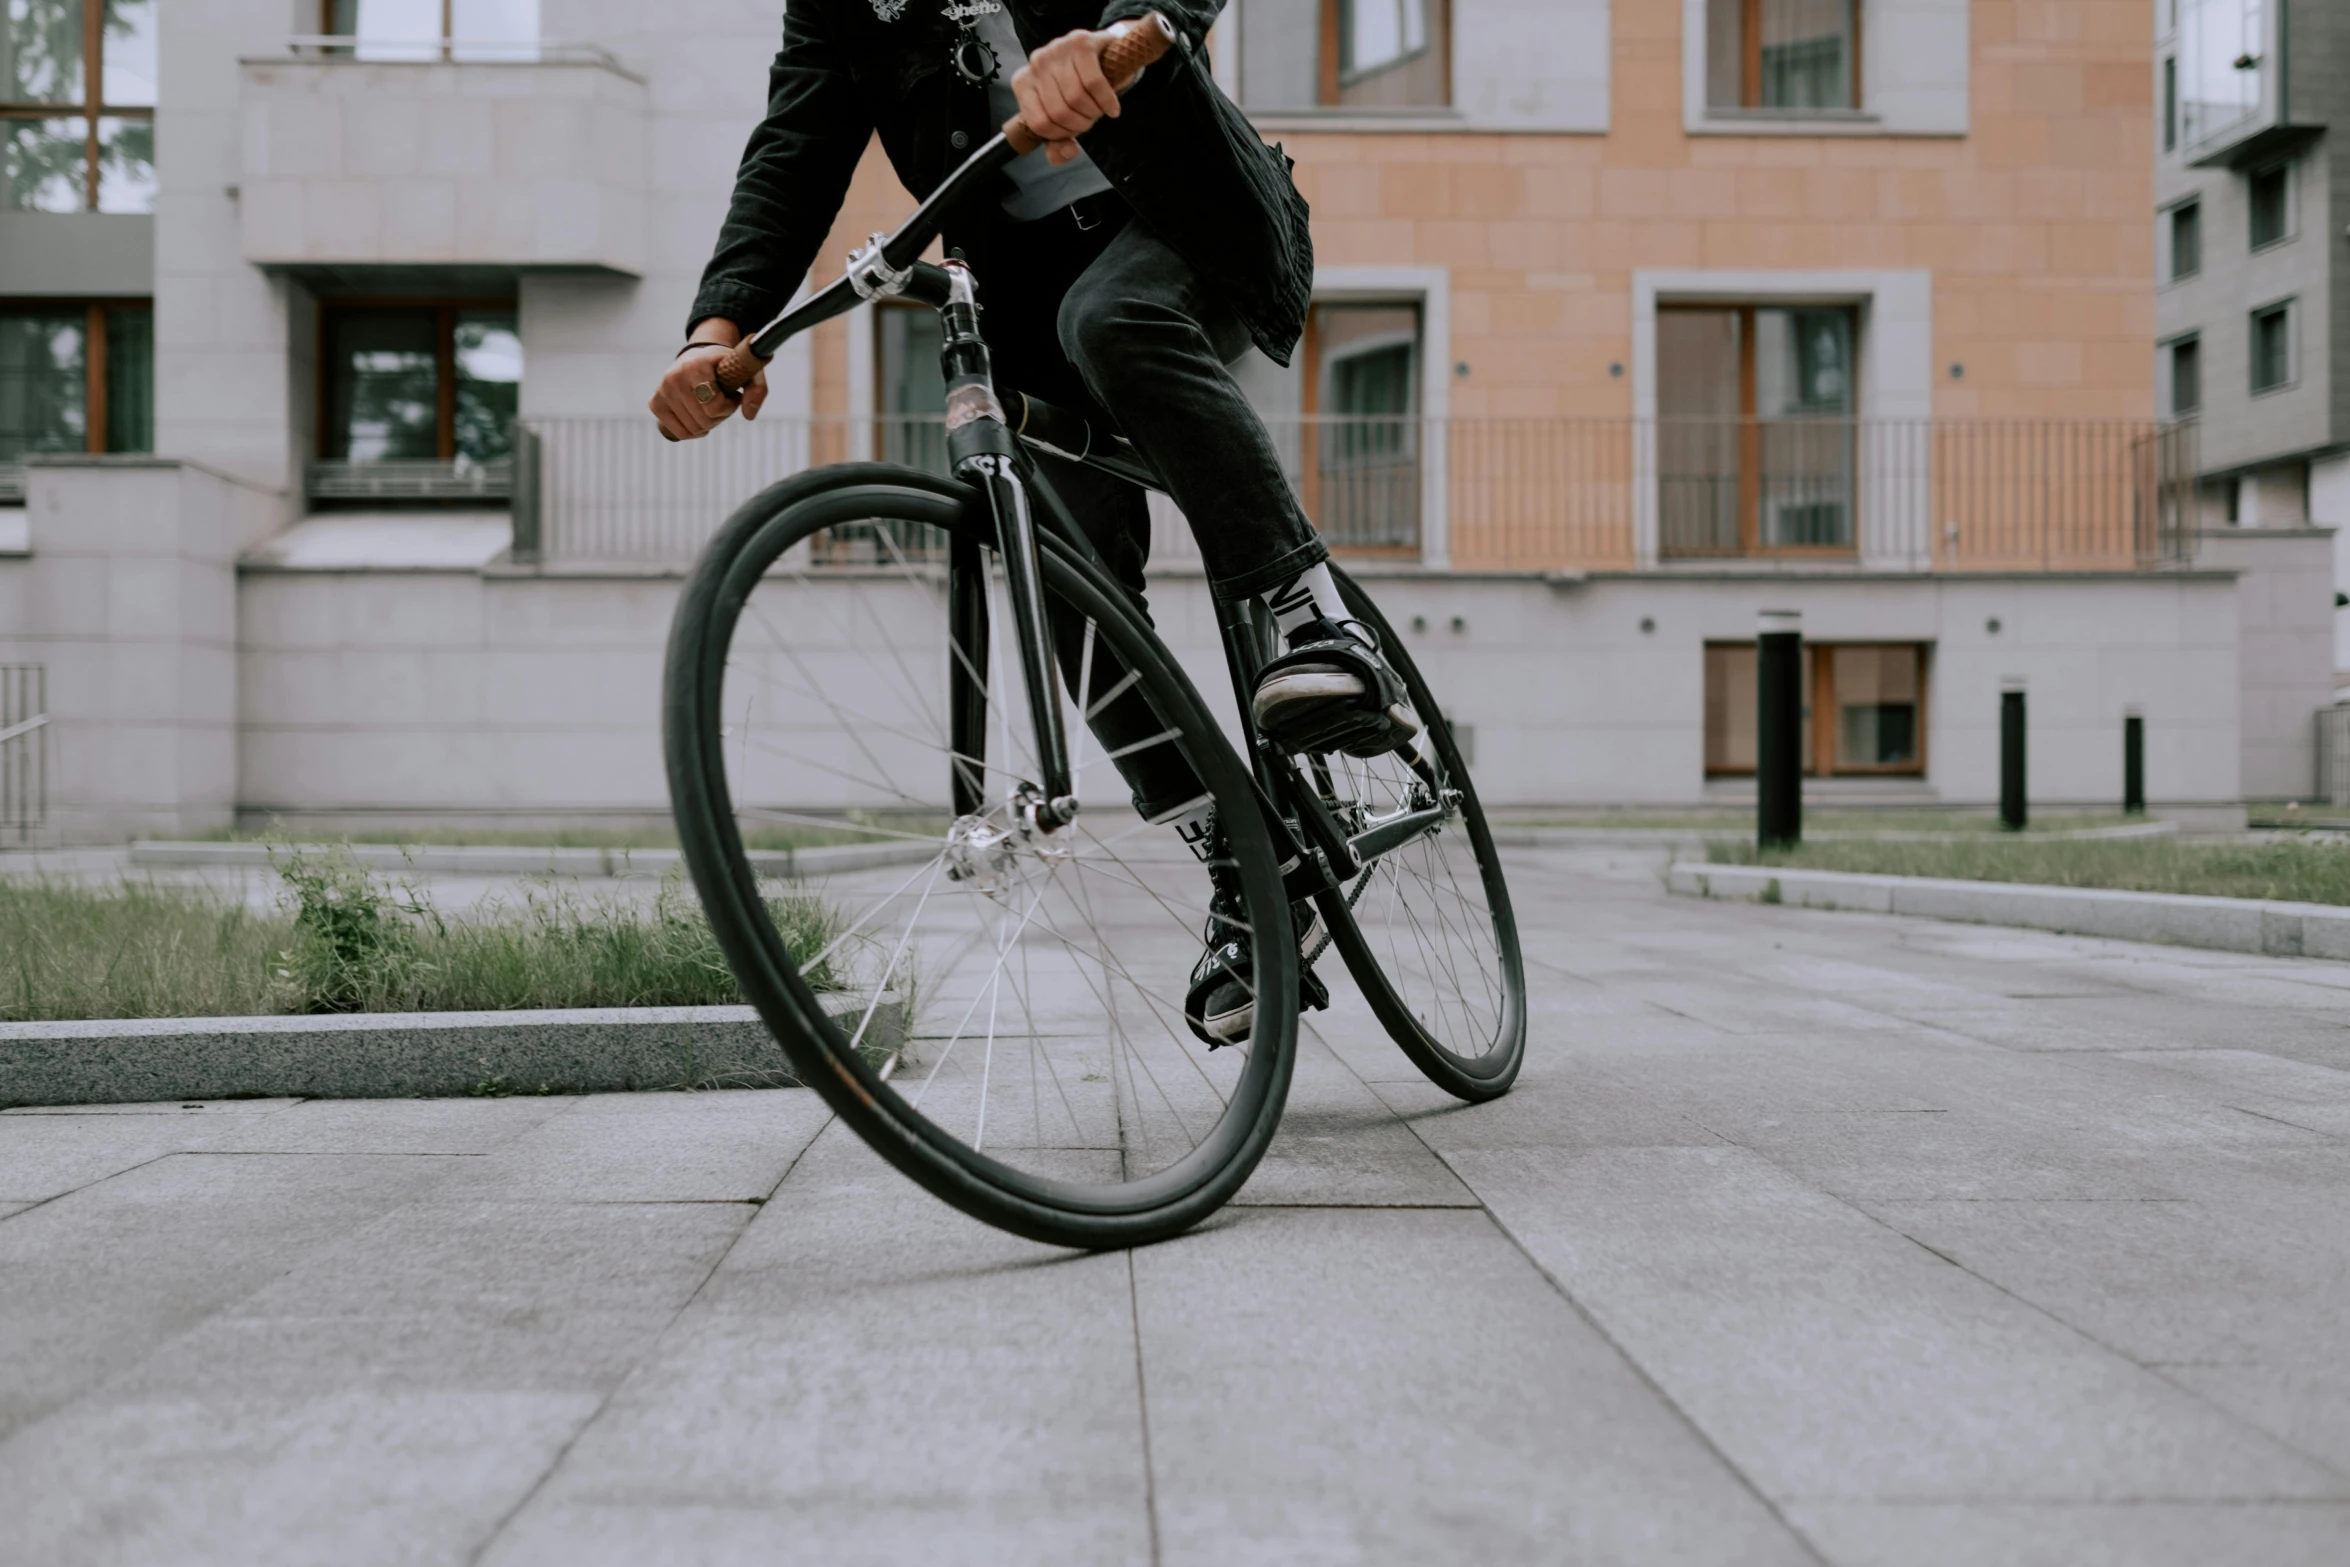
(405,1055)
(2280,930)
(495,860)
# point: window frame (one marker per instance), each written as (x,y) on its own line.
(2191,208)
(1751,424)
(1316,368)
(2170,386)
(2289,309)
(91,107)
(1820,710)
(96,393)
(448,309)
(2288,205)
(1750,71)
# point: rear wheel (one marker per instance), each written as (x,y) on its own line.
(1013,1038)
(1426,929)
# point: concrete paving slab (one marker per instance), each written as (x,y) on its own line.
(1403,1387)
(2176,1282)
(361,1477)
(869,1377)
(2137,1534)
(41,1159)
(94,1281)
(396,1126)
(1832,1358)
(2293,1398)
(720,1146)
(1339,1145)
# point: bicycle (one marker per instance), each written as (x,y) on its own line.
(1066,1100)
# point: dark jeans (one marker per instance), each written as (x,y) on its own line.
(1110,322)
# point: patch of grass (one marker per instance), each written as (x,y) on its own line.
(346,941)
(2295,870)
(1949,822)
(134,951)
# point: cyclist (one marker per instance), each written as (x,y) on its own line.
(1125,265)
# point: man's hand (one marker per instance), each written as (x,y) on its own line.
(686,417)
(1062,92)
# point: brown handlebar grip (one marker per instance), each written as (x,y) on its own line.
(738,368)
(1123,58)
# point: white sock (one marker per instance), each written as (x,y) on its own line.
(1310,595)
(1195,824)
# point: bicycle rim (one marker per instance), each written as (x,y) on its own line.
(1427,930)
(1015,1039)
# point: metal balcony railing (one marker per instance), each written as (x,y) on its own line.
(24,751)
(428,50)
(1510,494)
(491,482)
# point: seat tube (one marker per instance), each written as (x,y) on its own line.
(981,447)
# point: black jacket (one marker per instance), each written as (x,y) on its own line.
(1182,153)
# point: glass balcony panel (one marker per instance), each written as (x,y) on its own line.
(2221,44)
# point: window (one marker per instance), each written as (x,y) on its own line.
(76,377)
(2170,105)
(436,29)
(1361,450)
(1345,54)
(77,105)
(1782,54)
(1755,429)
(1864,708)
(911,387)
(2269,196)
(2217,67)
(422,382)
(2186,377)
(2272,347)
(2186,240)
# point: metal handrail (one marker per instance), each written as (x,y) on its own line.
(455,51)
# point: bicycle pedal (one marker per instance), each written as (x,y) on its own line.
(1312,994)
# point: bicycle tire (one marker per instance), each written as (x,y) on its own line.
(1430,1015)
(1033,1202)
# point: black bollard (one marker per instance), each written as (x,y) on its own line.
(2013,814)
(1778,724)
(2133,764)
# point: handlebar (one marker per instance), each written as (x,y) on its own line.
(1131,47)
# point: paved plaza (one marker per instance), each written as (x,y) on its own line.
(1805,1237)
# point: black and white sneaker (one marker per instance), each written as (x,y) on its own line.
(1221,1005)
(1333,692)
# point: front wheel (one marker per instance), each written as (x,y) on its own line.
(1426,929)
(1015,1040)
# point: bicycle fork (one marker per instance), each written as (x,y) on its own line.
(981,448)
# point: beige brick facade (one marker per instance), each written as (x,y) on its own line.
(2033,226)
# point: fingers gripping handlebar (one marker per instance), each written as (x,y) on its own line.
(1131,46)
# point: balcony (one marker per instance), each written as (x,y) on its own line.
(437,159)
(1535,495)
(2227,84)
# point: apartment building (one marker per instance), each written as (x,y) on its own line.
(2252,314)
(1632,319)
